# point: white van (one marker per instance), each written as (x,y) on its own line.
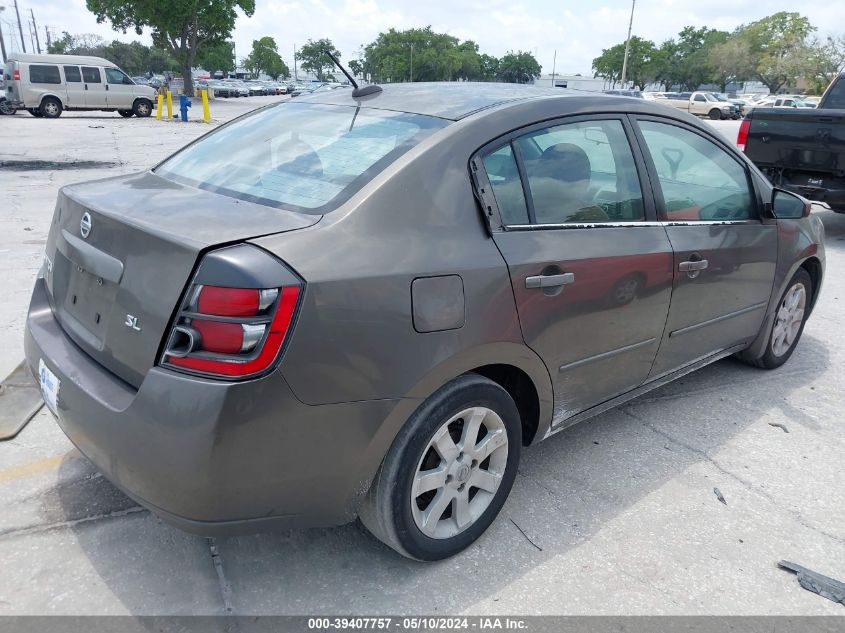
(46,85)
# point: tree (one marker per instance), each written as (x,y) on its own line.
(184,29)
(776,45)
(218,57)
(823,61)
(519,67)
(640,69)
(730,62)
(133,57)
(265,58)
(313,57)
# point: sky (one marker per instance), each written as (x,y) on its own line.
(578,30)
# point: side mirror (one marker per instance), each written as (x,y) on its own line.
(789,206)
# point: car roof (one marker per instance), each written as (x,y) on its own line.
(446,100)
(59,59)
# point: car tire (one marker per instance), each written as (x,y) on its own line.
(125,113)
(51,108)
(792,312)
(716,114)
(5,108)
(142,108)
(425,525)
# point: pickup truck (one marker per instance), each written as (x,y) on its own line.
(702,104)
(801,149)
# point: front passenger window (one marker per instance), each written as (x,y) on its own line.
(699,179)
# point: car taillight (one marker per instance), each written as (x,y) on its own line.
(16,75)
(742,137)
(230,332)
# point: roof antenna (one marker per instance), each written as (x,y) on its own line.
(356,91)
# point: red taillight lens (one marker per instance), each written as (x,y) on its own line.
(223,338)
(231,332)
(16,75)
(228,301)
(742,137)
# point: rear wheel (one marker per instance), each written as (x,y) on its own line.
(792,312)
(6,108)
(448,472)
(125,113)
(51,108)
(142,108)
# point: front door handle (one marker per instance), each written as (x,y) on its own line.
(699,264)
(549,281)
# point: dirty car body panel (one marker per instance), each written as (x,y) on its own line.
(408,278)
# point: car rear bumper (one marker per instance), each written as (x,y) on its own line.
(207,456)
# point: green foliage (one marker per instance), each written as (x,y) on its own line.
(642,62)
(518,68)
(823,61)
(313,58)
(133,57)
(265,58)
(184,29)
(219,56)
(777,48)
(424,55)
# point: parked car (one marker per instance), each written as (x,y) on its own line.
(736,105)
(222,89)
(5,107)
(625,93)
(801,149)
(338,307)
(47,85)
(700,104)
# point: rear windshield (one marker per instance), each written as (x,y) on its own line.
(305,157)
(835,97)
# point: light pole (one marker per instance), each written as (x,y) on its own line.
(411,44)
(2,42)
(20,28)
(627,44)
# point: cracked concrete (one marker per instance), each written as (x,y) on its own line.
(621,507)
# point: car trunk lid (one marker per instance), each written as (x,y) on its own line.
(121,251)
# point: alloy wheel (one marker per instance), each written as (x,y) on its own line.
(459,472)
(788,320)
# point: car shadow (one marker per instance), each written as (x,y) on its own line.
(568,488)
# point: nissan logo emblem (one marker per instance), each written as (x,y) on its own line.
(85,224)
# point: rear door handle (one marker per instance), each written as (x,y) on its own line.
(549,281)
(699,264)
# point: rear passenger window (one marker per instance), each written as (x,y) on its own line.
(504,179)
(699,179)
(91,75)
(581,172)
(72,74)
(39,74)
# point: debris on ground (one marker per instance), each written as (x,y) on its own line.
(20,400)
(525,535)
(779,426)
(719,495)
(829,588)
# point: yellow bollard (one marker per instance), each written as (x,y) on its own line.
(169,105)
(206,113)
(160,100)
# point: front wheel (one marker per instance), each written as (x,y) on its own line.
(715,114)
(448,472)
(125,113)
(35,112)
(792,312)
